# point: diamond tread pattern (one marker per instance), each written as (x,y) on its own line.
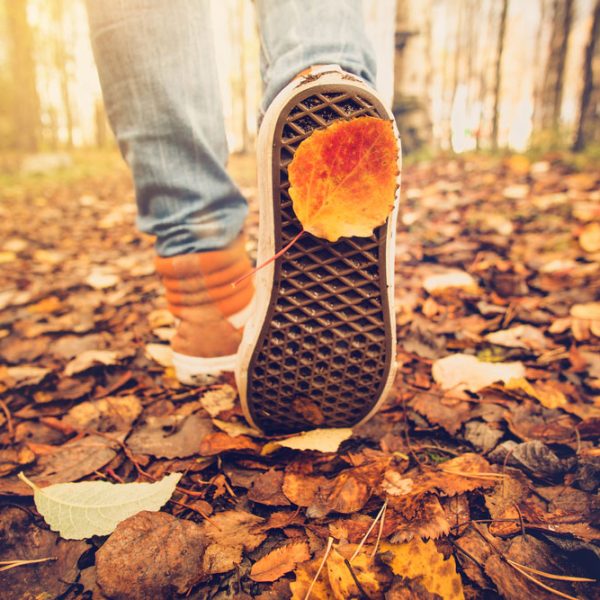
(322,357)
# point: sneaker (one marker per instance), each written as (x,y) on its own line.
(211,312)
(319,348)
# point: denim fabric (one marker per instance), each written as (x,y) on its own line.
(158,73)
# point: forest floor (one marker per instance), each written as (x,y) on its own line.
(487,468)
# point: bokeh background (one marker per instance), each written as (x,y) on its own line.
(461,75)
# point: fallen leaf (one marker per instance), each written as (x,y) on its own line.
(21,376)
(266,489)
(75,459)
(218,400)
(544,391)
(341,579)
(521,336)
(160,353)
(101,278)
(454,279)
(465,372)
(111,414)
(588,311)
(90,358)
(589,238)
(235,428)
(219,442)
(81,510)
(320,440)
(335,166)
(172,436)
(151,555)
(449,414)
(421,559)
(425,518)
(24,539)
(280,561)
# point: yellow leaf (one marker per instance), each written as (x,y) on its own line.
(419,559)
(544,392)
(341,581)
(343,178)
(305,575)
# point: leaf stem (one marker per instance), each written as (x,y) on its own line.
(269,260)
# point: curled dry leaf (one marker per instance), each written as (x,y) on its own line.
(115,413)
(280,561)
(465,372)
(343,178)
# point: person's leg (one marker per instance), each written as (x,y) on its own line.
(159,81)
(157,68)
(297,35)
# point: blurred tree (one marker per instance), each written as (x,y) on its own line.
(589,111)
(62,61)
(550,99)
(25,99)
(498,73)
(412,66)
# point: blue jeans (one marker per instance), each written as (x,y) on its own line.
(158,74)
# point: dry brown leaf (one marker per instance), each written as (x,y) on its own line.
(173,436)
(280,561)
(151,555)
(216,443)
(90,358)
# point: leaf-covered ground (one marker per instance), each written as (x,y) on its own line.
(478,479)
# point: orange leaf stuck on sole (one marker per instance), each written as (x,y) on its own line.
(343,178)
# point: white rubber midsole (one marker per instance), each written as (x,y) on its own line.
(331,75)
(191,369)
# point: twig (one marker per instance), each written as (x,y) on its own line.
(521,522)
(365,537)
(550,575)
(379,534)
(361,590)
(538,582)
(11,564)
(312,583)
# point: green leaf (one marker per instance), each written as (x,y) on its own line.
(81,510)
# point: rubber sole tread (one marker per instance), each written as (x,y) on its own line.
(323,355)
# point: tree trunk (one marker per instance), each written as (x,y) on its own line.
(26,108)
(587,126)
(411,106)
(498,73)
(552,88)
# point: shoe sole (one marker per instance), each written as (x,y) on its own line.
(320,349)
